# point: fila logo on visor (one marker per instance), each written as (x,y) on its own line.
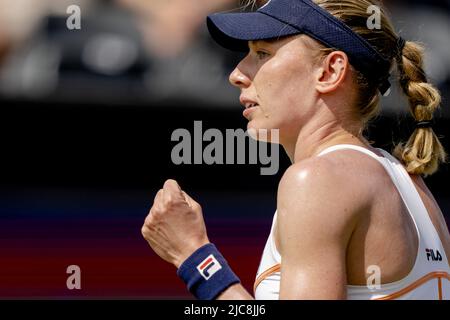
(208,267)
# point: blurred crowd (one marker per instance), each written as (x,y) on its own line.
(152,51)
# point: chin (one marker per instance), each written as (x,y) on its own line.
(262,133)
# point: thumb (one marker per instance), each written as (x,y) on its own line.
(191,202)
(172,189)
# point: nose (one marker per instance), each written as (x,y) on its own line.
(239,79)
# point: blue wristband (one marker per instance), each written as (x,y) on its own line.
(207,273)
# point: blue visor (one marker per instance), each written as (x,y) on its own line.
(280,18)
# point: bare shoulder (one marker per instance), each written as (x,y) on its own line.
(334,174)
(339,186)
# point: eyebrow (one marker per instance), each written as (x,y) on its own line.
(267,41)
(253,44)
(271,41)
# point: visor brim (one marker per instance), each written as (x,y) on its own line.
(233,30)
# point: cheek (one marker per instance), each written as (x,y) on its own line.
(286,95)
(298,81)
(287,86)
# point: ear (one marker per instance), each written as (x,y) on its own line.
(332,72)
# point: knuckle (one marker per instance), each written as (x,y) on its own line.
(158,215)
(144,232)
(158,193)
(170,202)
(157,197)
(197,206)
(147,220)
(167,201)
(154,218)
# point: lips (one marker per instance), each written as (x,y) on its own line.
(249,105)
(249,109)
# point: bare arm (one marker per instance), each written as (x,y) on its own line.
(318,209)
(235,292)
(317,212)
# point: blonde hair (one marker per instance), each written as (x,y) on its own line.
(423,152)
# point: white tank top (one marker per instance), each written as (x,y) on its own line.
(430,275)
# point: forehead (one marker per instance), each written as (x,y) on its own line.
(274,42)
(290,47)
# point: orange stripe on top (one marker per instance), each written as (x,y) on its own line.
(418,283)
(430,276)
(266,274)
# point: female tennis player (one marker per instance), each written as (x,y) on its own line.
(345,210)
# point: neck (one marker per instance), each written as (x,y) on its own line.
(313,138)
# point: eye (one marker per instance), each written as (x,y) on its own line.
(261,54)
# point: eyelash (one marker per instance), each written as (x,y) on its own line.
(261,54)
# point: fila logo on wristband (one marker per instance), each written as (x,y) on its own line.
(209,266)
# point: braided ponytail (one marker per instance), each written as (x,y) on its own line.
(423,152)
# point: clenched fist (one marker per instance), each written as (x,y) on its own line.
(174,227)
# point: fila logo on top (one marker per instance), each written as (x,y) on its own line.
(435,255)
(208,267)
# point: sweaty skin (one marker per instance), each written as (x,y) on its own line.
(338,213)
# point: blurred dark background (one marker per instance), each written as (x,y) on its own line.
(86,121)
